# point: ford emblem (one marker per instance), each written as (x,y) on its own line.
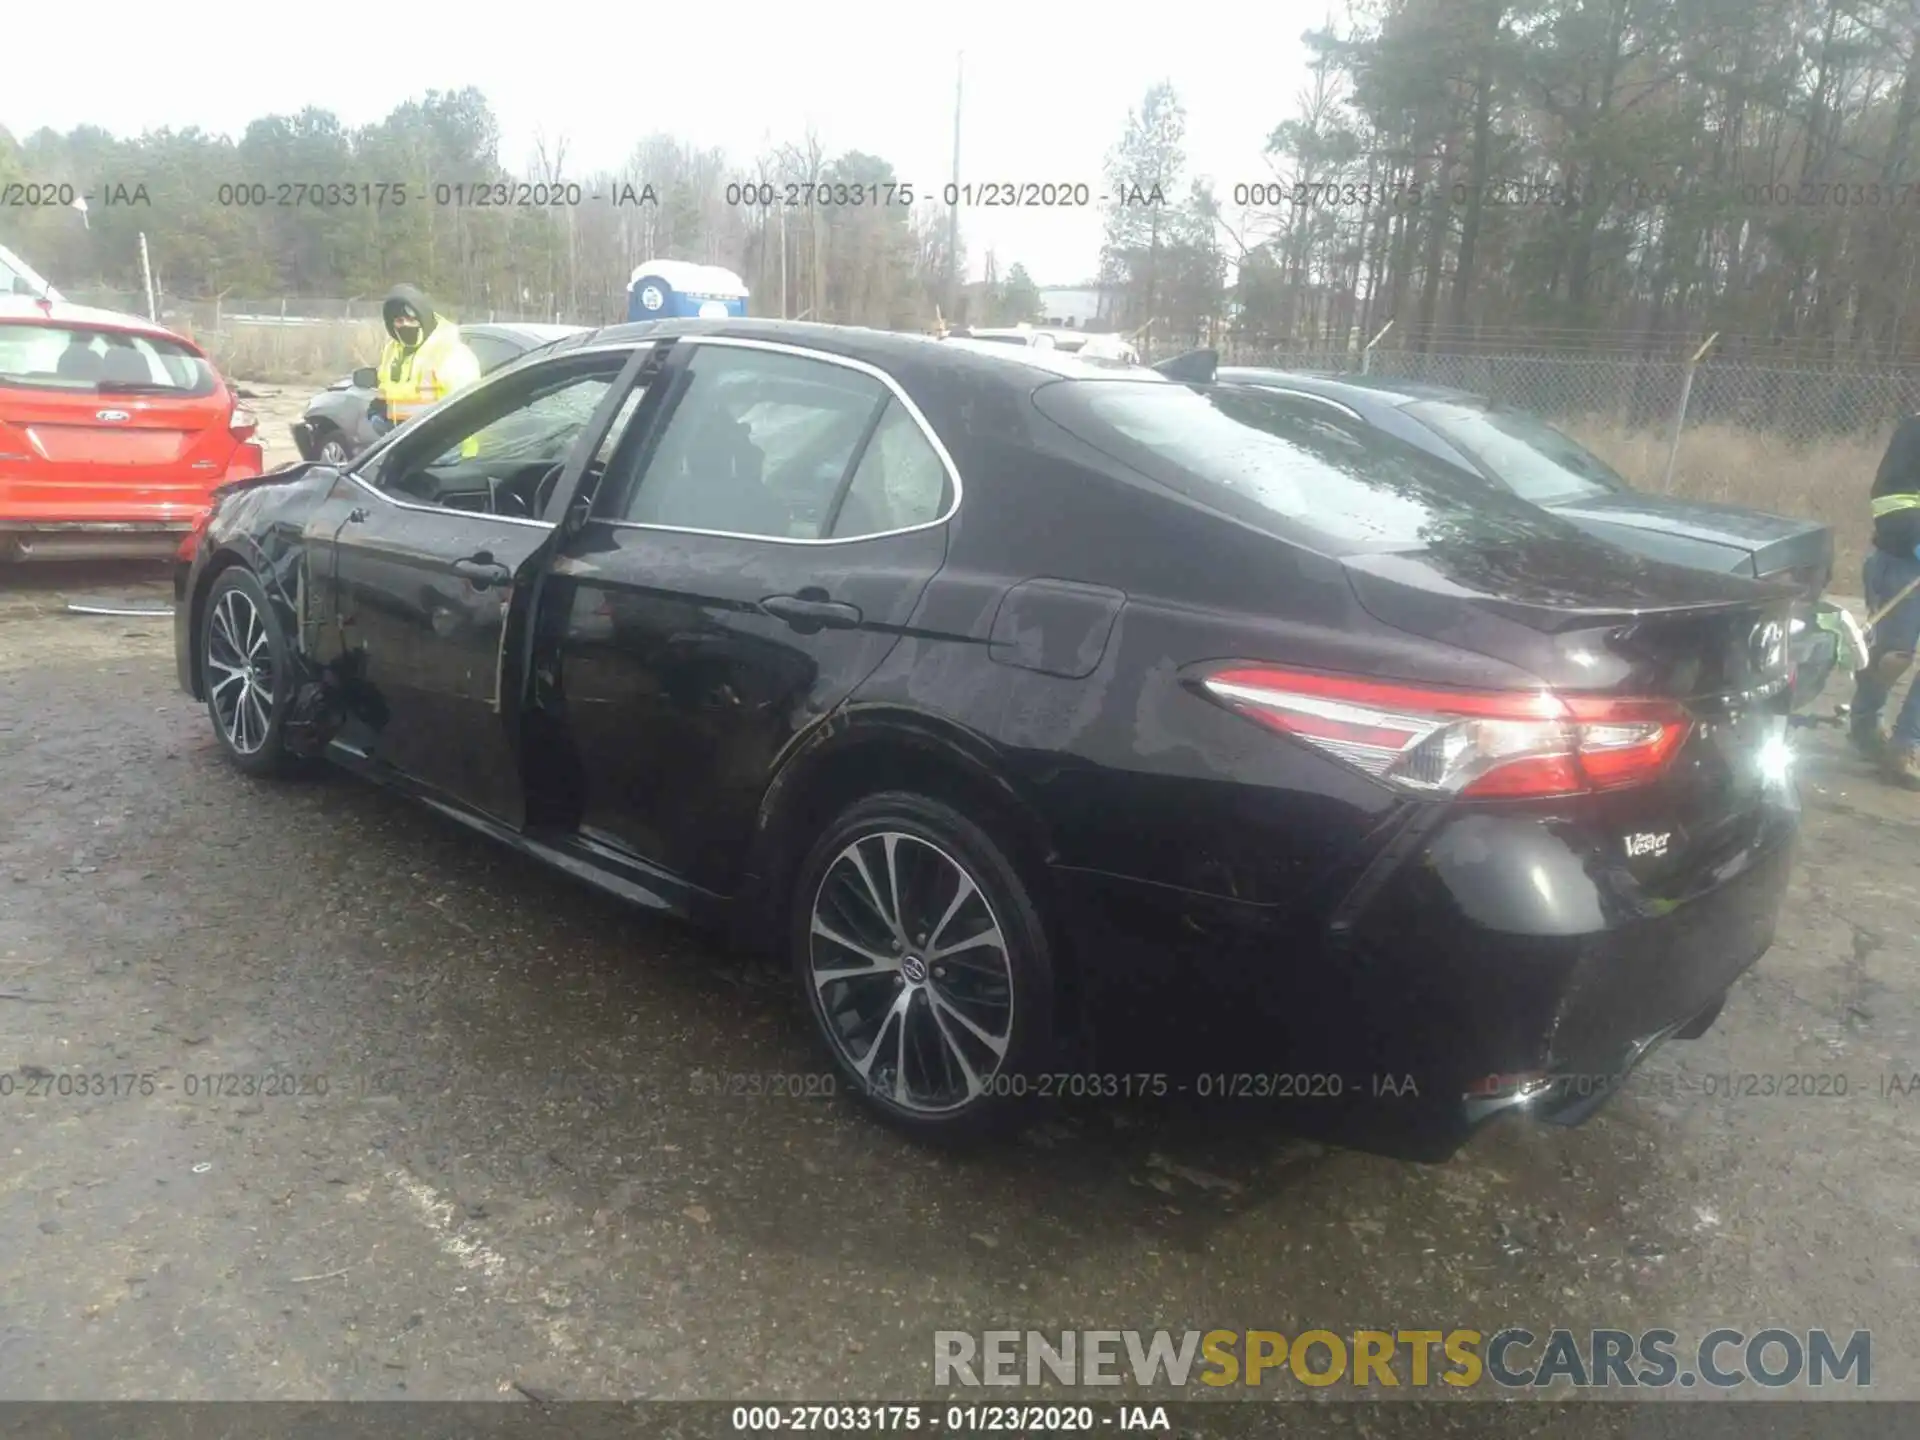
(112,416)
(1768,647)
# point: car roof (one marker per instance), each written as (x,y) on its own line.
(61,312)
(885,348)
(1363,389)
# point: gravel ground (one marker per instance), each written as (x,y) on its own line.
(518,1174)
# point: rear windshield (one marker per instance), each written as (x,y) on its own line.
(1292,467)
(85,360)
(1525,454)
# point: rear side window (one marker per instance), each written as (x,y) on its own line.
(900,481)
(1293,468)
(757,445)
(491,351)
(89,361)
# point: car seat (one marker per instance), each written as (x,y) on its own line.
(714,482)
(79,361)
(125,365)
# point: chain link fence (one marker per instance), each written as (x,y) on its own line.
(285,339)
(1794,439)
(1798,438)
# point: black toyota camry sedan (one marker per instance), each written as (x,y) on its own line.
(1066,729)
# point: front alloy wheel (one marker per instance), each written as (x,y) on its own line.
(247,673)
(925,963)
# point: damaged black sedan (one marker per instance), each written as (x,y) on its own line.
(1066,729)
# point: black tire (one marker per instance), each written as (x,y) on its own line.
(237,618)
(956,1086)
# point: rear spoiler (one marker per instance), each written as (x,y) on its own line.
(1196,367)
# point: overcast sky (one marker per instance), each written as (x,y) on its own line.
(1047,89)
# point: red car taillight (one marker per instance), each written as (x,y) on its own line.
(190,542)
(243,422)
(1513,744)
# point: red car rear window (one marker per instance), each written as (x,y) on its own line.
(93,361)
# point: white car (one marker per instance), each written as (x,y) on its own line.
(19,278)
(1087,344)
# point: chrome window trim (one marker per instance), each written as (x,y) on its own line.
(493,378)
(845,362)
(447,509)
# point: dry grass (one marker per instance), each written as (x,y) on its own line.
(293,354)
(1826,481)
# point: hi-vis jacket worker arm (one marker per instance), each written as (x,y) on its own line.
(1896,492)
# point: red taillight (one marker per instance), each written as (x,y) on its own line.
(1513,744)
(242,422)
(190,542)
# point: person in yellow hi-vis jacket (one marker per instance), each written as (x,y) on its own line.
(424,361)
(1892,583)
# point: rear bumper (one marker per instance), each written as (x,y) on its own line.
(305,441)
(1491,965)
(29,540)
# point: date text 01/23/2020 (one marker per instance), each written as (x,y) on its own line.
(949,1419)
(974,195)
(457,194)
(1075,1085)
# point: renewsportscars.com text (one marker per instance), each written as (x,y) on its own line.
(1512,1358)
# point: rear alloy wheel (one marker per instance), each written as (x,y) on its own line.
(925,965)
(332,451)
(247,672)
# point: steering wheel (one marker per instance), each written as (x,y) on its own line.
(504,502)
(543,492)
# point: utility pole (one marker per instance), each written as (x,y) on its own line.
(783,262)
(953,210)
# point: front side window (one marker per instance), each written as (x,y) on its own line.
(542,430)
(491,451)
(93,361)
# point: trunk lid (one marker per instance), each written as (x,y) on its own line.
(98,424)
(1582,617)
(1630,628)
(1771,543)
(131,455)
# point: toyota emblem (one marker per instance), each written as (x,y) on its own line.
(1768,647)
(112,416)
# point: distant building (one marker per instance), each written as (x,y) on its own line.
(1062,307)
(1080,307)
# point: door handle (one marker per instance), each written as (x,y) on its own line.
(811,613)
(481,571)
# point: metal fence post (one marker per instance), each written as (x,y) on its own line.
(1680,410)
(1366,355)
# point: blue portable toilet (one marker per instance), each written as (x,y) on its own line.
(679,289)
